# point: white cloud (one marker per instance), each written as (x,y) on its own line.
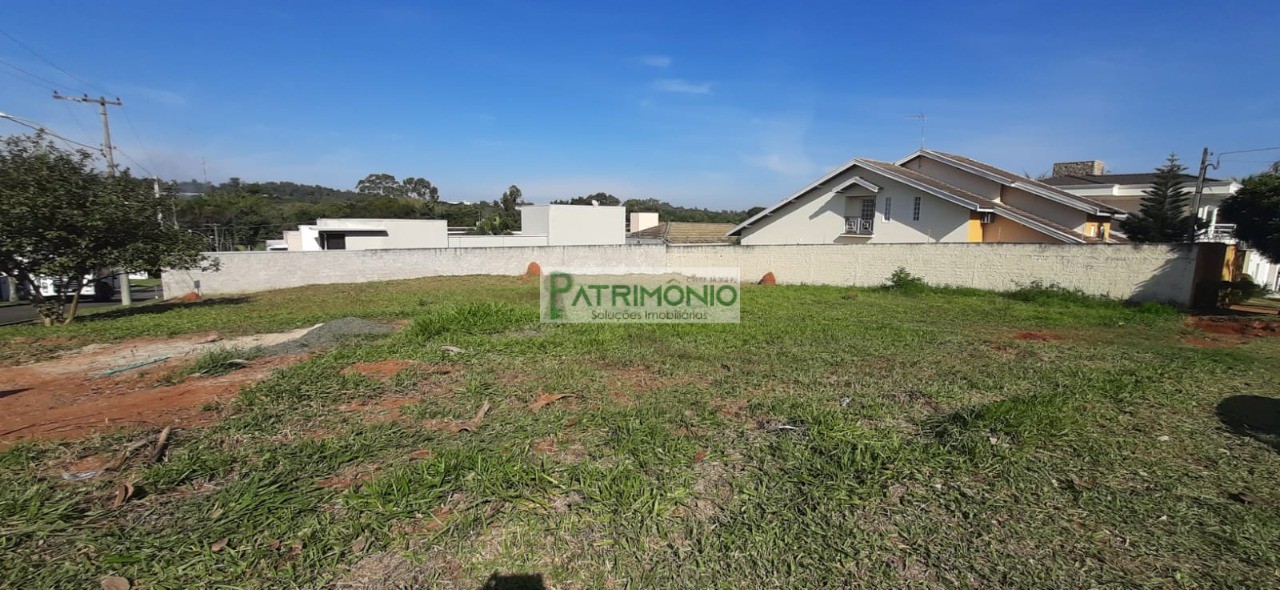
(656,61)
(682,86)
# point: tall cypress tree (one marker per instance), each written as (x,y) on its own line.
(1164,216)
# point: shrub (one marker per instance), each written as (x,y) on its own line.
(901,280)
(1039,292)
(1238,291)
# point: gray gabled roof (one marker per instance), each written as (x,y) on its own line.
(1010,179)
(793,196)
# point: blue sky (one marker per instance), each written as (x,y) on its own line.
(716,104)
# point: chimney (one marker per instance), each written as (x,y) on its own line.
(1084,168)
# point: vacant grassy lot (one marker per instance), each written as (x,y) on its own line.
(905,439)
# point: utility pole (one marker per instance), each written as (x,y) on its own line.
(1195,199)
(122,279)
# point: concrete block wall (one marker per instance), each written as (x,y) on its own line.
(1138,272)
(249,272)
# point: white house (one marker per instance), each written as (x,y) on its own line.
(369,234)
(928,196)
(1090,179)
(541,225)
(1125,191)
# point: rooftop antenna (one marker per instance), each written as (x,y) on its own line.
(920,117)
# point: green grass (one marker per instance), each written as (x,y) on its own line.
(218,361)
(900,438)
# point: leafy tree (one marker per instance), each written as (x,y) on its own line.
(1255,209)
(421,189)
(604,199)
(380,184)
(61,218)
(493,226)
(511,200)
(668,212)
(1163,216)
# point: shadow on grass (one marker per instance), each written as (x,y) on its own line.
(1254,416)
(514,582)
(159,307)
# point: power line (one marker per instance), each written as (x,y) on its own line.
(50,62)
(135,162)
(128,120)
(51,84)
(38,127)
(146,154)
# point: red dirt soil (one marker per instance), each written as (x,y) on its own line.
(1235,326)
(63,399)
(1036,336)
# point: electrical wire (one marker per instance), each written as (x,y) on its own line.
(51,85)
(46,130)
(135,162)
(128,120)
(55,66)
(146,154)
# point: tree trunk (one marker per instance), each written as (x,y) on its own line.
(75,305)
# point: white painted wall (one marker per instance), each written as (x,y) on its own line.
(586,225)
(535,220)
(940,221)
(1141,272)
(400,233)
(642,220)
(496,241)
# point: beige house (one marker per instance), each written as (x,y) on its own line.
(929,196)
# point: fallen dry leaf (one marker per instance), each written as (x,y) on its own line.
(474,422)
(115,583)
(699,456)
(421,454)
(124,491)
(219,546)
(545,400)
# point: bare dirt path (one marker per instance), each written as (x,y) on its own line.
(94,389)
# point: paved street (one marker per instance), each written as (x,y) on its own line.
(17,313)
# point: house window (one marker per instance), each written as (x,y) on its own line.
(335,241)
(915,210)
(868,209)
(888,206)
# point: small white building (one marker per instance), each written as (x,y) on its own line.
(369,234)
(540,225)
